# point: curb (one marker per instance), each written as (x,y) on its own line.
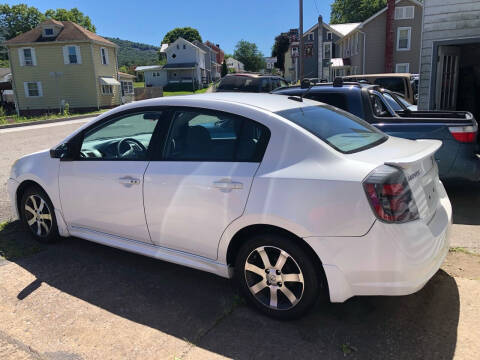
(39,122)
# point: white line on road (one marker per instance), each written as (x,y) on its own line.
(33,127)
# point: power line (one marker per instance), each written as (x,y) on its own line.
(316,6)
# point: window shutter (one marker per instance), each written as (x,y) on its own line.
(79,55)
(66,60)
(34,57)
(21,59)
(106,56)
(40,90)
(25,87)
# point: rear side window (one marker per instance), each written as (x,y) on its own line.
(202,135)
(392,83)
(239,83)
(334,99)
(342,131)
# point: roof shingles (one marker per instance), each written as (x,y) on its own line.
(70,32)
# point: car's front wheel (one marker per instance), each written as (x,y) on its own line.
(38,215)
(277,276)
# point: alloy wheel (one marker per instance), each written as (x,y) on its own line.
(38,215)
(274,278)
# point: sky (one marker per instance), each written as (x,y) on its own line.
(223,22)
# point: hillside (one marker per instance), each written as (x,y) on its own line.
(133,53)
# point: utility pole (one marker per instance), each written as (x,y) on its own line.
(300,57)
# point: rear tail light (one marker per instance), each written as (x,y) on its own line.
(390,195)
(464,134)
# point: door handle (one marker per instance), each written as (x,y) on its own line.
(227,185)
(129,181)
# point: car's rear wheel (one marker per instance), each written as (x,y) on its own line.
(277,276)
(38,215)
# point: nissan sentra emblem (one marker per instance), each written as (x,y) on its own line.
(414,175)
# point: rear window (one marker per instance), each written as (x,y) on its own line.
(334,99)
(342,131)
(239,83)
(396,84)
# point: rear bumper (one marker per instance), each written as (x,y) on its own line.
(12,186)
(391,259)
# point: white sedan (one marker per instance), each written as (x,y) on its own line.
(295,200)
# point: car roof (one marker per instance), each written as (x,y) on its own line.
(265,101)
(328,87)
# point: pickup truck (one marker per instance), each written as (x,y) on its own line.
(458,157)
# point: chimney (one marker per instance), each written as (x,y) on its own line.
(389,36)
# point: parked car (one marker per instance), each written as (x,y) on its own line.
(250,82)
(457,158)
(397,82)
(250,186)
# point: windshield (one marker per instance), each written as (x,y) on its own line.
(239,83)
(341,130)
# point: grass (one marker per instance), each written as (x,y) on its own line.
(139,84)
(175,93)
(22,119)
(461,250)
(16,244)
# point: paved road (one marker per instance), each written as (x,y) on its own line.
(20,141)
(16,142)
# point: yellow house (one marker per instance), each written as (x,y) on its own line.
(59,63)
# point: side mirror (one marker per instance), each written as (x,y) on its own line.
(64,152)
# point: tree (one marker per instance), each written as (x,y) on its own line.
(224,69)
(188,33)
(347,11)
(280,47)
(248,53)
(17,19)
(74,15)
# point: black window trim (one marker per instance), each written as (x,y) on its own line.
(161,155)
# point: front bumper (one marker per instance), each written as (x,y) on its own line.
(391,259)
(12,186)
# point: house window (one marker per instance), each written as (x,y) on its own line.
(310,37)
(104,55)
(48,32)
(402,68)
(403,38)
(404,12)
(127,87)
(327,50)
(107,90)
(294,51)
(357,43)
(184,46)
(27,56)
(329,36)
(71,54)
(33,89)
(174,56)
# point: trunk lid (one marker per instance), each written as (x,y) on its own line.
(416,160)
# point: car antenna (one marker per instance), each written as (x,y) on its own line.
(305,84)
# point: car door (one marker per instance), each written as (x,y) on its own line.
(101,190)
(201,182)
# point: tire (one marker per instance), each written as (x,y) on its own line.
(274,295)
(38,215)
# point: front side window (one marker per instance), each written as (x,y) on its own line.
(124,138)
(396,84)
(403,38)
(200,135)
(338,100)
(72,55)
(341,130)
